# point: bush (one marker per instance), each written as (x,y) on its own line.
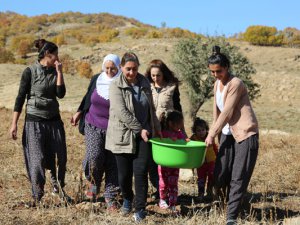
(179,33)
(263,35)
(136,32)
(108,35)
(68,64)
(155,34)
(84,69)
(291,37)
(190,58)
(6,56)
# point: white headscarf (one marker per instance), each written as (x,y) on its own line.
(103,81)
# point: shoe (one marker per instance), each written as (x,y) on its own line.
(65,197)
(231,222)
(155,195)
(139,215)
(200,197)
(111,205)
(126,207)
(174,211)
(55,190)
(91,193)
(163,204)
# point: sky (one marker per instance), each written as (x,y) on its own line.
(210,17)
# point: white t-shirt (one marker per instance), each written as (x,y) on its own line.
(220,105)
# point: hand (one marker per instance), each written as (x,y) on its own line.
(13,131)
(187,139)
(209,141)
(144,135)
(75,118)
(58,66)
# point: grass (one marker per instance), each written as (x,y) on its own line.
(273,191)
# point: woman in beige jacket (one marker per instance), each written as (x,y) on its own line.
(131,122)
(166,97)
(234,118)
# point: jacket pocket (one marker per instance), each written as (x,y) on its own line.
(122,134)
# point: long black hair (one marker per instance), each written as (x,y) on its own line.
(44,47)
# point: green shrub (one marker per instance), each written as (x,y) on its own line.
(263,35)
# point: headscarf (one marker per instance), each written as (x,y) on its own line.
(103,81)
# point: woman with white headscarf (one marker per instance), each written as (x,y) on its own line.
(93,114)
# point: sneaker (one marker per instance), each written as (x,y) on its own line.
(55,190)
(111,205)
(91,193)
(231,222)
(126,207)
(139,215)
(155,195)
(163,204)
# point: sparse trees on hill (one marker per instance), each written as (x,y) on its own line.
(190,60)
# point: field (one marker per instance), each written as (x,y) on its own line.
(274,189)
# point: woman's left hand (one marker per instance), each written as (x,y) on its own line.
(58,66)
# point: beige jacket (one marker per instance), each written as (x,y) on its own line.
(123,126)
(237,111)
(163,101)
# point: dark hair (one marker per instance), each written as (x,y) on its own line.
(218,58)
(168,75)
(173,117)
(44,47)
(199,123)
(129,57)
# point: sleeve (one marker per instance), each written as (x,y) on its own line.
(82,104)
(24,89)
(61,91)
(176,99)
(118,105)
(234,94)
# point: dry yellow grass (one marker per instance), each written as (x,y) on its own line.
(274,188)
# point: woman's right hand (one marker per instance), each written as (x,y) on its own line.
(13,131)
(75,118)
(144,135)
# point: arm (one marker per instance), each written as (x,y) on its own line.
(234,94)
(119,108)
(76,117)
(24,89)
(60,84)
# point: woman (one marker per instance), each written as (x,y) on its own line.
(94,112)
(43,135)
(166,97)
(131,122)
(239,147)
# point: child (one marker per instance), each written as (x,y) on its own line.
(200,130)
(168,177)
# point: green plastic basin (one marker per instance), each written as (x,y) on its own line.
(179,153)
